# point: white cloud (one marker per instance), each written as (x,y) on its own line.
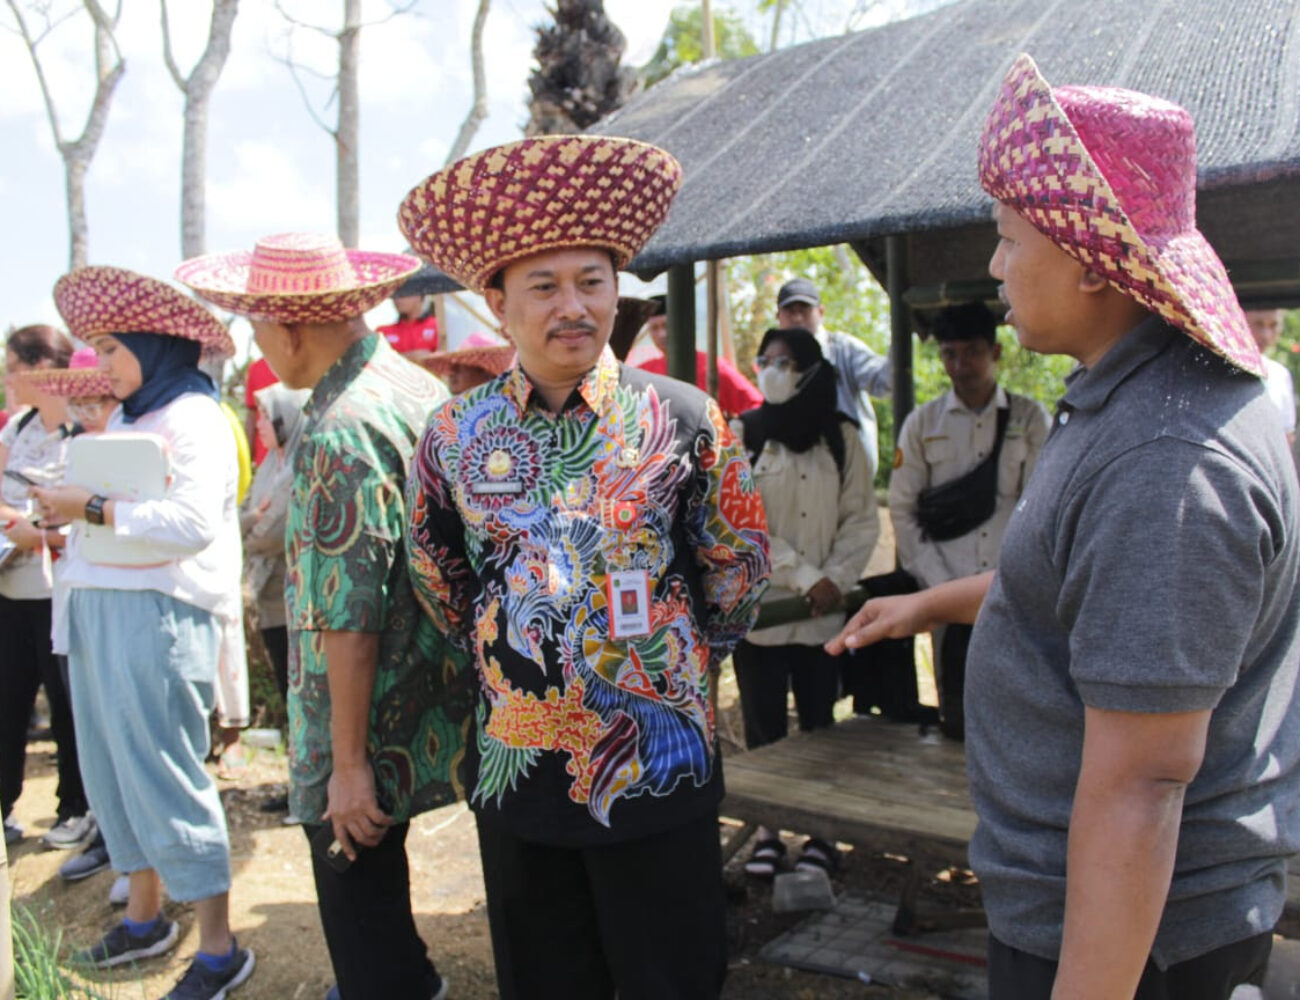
(269,192)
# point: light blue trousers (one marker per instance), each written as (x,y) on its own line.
(143,668)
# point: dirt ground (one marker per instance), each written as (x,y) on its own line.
(273,902)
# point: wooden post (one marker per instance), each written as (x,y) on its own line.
(681,322)
(713,308)
(900,329)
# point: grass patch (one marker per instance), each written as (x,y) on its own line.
(41,959)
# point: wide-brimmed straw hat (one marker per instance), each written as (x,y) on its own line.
(1109,175)
(552,192)
(94,301)
(82,377)
(478,350)
(297,278)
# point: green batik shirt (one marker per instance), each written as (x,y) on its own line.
(347,573)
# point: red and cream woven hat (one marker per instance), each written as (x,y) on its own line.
(82,377)
(297,278)
(94,301)
(1109,176)
(553,192)
(478,350)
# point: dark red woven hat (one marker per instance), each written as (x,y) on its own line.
(104,300)
(495,207)
(1109,175)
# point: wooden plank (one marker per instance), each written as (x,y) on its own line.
(855,781)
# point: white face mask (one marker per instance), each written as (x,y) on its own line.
(778,385)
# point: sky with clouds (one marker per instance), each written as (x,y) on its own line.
(270,166)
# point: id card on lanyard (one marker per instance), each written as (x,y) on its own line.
(627,593)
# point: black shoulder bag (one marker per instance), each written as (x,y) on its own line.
(961,505)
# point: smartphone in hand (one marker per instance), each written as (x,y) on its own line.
(21,477)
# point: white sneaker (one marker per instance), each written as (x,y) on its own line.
(71,834)
(120,892)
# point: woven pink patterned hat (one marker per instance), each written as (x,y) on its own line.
(478,350)
(297,278)
(94,301)
(548,193)
(82,377)
(1109,176)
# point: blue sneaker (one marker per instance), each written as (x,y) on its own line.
(93,860)
(119,946)
(201,983)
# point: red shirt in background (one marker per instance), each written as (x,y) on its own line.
(259,376)
(412,334)
(736,394)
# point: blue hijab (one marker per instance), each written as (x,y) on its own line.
(169,366)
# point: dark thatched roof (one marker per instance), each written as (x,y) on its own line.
(854,138)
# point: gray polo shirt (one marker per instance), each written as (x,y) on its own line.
(1150,566)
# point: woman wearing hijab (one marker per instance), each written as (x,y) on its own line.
(812,472)
(144,640)
(279,424)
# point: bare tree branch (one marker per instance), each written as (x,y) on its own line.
(50,110)
(294,69)
(177,77)
(197,88)
(77,153)
(479,109)
(279,7)
(394,10)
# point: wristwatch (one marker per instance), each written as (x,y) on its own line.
(95,509)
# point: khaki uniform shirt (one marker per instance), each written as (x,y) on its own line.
(941,441)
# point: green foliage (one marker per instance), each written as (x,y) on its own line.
(683,41)
(37,954)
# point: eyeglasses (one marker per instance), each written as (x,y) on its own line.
(93,408)
(782,362)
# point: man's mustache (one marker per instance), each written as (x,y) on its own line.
(563,328)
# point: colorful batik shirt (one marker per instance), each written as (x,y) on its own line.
(347,573)
(519,519)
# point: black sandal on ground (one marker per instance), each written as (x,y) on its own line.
(767,857)
(818,854)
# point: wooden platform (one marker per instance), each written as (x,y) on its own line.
(859,780)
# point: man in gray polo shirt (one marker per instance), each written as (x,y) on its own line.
(1132,735)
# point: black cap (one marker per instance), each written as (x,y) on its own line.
(660,305)
(798,290)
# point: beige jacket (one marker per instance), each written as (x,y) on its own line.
(821,524)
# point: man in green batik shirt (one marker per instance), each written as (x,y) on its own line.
(379,702)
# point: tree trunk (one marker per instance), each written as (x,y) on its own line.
(479,109)
(74,171)
(198,89)
(77,153)
(348,134)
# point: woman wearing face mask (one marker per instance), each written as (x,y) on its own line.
(144,640)
(812,472)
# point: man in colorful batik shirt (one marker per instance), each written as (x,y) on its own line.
(592,533)
(379,702)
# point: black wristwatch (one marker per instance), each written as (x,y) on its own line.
(95,509)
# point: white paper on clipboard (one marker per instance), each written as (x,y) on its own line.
(121,465)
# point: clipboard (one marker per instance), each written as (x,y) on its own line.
(121,465)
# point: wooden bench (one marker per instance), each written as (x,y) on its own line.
(863,779)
